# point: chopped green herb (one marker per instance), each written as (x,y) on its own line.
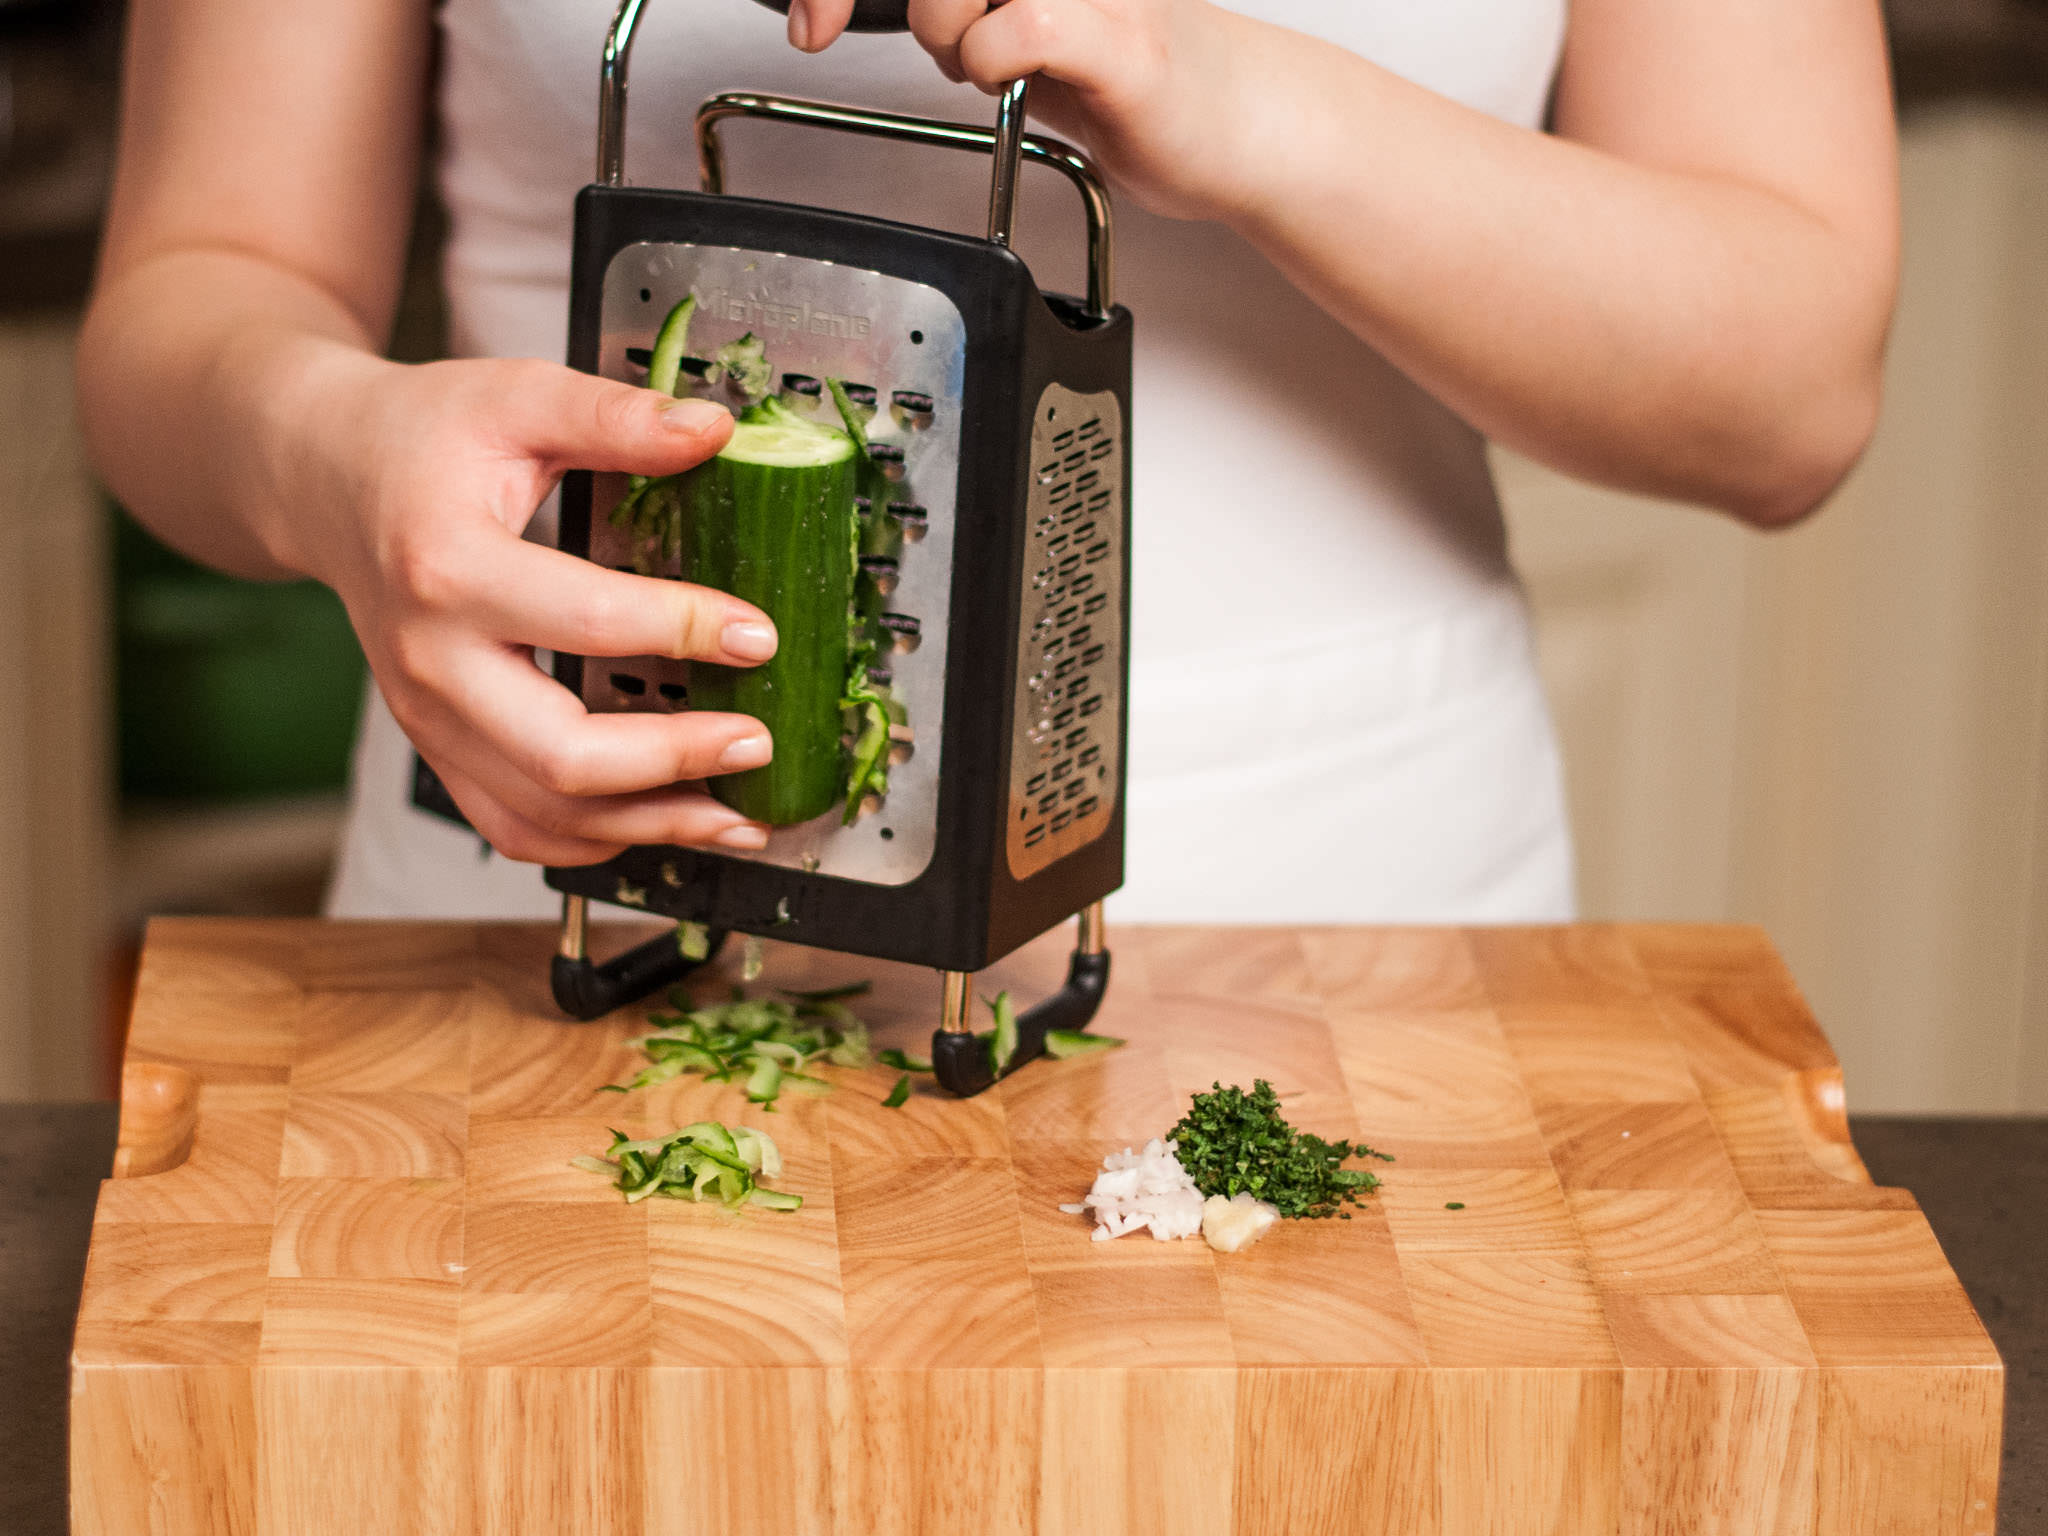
(1233,1142)
(899,1095)
(1454,1205)
(1063,1043)
(704,1161)
(693,941)
(903,1061)
(752,957)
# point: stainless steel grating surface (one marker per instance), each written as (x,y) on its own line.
(901,345)
(1069,710)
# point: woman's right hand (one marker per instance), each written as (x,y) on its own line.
(421,479)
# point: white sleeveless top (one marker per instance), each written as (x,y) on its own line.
(1334,710)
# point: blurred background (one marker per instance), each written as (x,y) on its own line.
(1840,732)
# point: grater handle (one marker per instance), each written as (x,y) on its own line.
(1061,156)
(1009,162)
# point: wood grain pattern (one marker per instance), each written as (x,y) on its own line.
(1627,1276)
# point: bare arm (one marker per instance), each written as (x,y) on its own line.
(1684,291)
(232,397)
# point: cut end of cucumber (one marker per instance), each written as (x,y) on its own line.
(772,435)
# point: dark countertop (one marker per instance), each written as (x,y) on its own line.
(1983,1184)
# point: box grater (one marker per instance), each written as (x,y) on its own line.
(997,568)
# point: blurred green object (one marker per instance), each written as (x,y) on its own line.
(227,689)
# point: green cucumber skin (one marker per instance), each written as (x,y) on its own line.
(781,539)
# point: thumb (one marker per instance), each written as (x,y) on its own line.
(571,420)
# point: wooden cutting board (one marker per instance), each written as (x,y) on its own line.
(345,1281)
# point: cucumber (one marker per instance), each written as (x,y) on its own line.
(666,363)
(771,520)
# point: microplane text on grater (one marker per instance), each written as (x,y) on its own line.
(988,521)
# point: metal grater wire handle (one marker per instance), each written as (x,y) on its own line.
(1070,162)
(1009,144)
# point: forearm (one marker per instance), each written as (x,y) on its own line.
(1668,332)
(210,383)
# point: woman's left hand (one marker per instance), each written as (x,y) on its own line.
(1142,83)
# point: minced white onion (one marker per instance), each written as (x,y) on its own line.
(1147,1189)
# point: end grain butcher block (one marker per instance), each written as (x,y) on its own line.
(345,1280)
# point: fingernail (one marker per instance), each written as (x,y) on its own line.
(745,834)
(749,641)
(692,415)
(799,25)
(747,752)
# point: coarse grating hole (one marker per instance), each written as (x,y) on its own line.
(882,571)
(1090,706)
(1094,604)
(1088,807)
(675,693)
(1088,756)
(627,683)
(1061,822)
(1035,836)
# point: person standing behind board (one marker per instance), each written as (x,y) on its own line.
(1353,256)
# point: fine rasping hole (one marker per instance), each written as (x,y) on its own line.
(1060,674)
